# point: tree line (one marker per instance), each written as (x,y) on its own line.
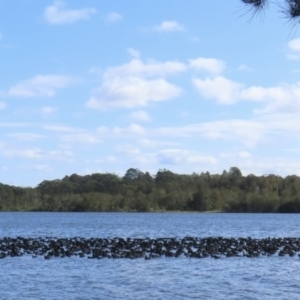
(166,191)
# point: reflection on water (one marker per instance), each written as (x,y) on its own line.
(147,224)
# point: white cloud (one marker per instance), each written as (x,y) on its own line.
(263,130)
(294,44)
(195,39)
(244,68)
(135,84)
(294,49)
(224,90)
(183,156)
(170,26)
(131,130)
(83,138)
(25,153)
(15,124)
(2,105)
(127,149)
(59,128)
(249,133)
(26,136)
(146,143)
(211,65)
(137,67)
(134,53)
(114,17)
(279,123)
(108,159)
(244,154)
(103,130)
(43,168)
(57,14)
(36,153)
(40,86)
(130,92)
(140,115)
(259,93)
(283,98)
(48,110)
(293,56)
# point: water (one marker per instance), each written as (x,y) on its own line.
(163,278)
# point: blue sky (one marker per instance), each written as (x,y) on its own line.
(102,86)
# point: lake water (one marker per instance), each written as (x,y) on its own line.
(162,278)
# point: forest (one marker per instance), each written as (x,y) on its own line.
(139,191)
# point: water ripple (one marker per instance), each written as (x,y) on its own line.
(163,278)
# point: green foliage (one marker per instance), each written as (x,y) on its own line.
(166,191)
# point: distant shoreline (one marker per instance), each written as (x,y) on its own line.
(166,191)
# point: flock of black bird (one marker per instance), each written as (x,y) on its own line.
(147,248)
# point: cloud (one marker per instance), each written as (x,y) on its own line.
(138,83)
(48,110)
(108,159)
(294,49)
(210,65)
(294,44)
(283,98)
(135,84)
(57,14)
(15,124)
(140,115)
(170,26)
(26,136)
(146,143)
(59,128)
(263,130)
(134,53)
(293,56)
(43,168)
(130,92)
(244,154)
(137,67)
(83,138)
(131,130)
(75,135)
(36,153)
(114,17)
(40,86)
(244,68)
(127,149)
(224,90)
(2,105)
(183,156)
(247,132)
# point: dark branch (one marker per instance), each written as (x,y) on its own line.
(292,9)
(257,5)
